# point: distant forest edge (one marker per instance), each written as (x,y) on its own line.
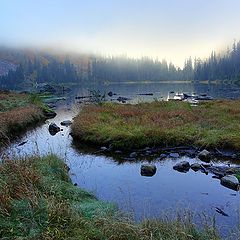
(26,68)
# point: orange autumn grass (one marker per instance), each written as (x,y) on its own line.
(211,124)
(16,114)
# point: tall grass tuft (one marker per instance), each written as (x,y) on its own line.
(38,201)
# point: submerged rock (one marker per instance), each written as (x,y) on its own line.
(53,128)
(66,123)
(205,155)
(230,181)
(148,170)
(182,166)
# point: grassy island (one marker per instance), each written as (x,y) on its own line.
(210,124)
(39,201)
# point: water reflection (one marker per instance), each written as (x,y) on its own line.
(123,182)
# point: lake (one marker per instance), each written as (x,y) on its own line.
(168,191)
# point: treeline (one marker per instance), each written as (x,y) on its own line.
(224,66)
(33,67)
(37,67)
(121,69)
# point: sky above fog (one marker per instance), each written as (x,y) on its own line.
(171,29)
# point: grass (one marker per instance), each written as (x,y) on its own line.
(17,113)
(38,201)
(211,124)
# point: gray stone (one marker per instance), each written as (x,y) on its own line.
(182,166)
(196,166)
(205,155)
(66,123)
(148,170)
(230,181)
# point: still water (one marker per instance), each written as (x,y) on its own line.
(122,183)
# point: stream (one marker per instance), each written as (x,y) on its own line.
(168,191)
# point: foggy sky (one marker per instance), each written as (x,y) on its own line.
(171,29)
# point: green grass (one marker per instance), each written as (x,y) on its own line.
(12,101)
(38,100)
(38,201)
(211,124)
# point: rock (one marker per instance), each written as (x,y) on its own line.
(204,155)
(182,166)
(230,181)
(110,94)
(148,170)
(174,155)
(66,123)
(196,166)
(53,128)
(49,114)
(133,155)
(121,99)
(75,184)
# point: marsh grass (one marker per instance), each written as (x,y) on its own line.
(38,201)
(211,124)
(17,113)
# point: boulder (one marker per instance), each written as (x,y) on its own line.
(182,166)
(196,166)
(53,128)
(148,170)
(230,181)
(66,123)
(205,155)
